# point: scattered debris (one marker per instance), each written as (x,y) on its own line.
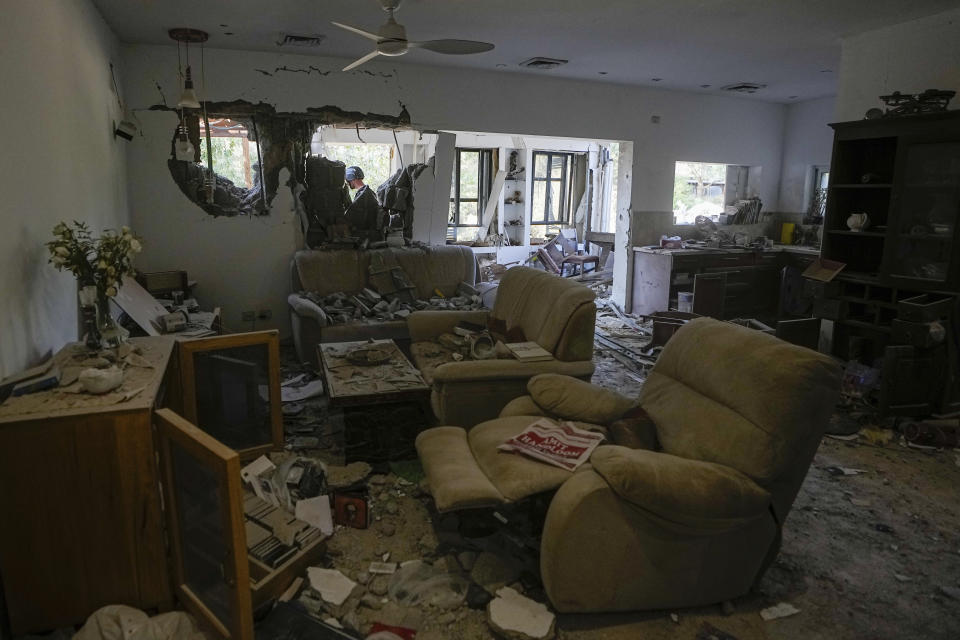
(340,478)
(492,572)
(675,618)
(845,471)
(902,578)
(383,567)
(709,632)
(514,616)
(950,592)
(298,393)
(781,610)
(882,528)
(333,586)
(418,583)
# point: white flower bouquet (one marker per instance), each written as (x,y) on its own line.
(101,262)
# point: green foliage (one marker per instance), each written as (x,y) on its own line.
(374,159)
(99,261)
(229,160)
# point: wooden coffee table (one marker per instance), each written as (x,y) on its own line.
(349,384)
(383,406)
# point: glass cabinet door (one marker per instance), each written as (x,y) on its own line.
(202,492)
(231,389)
(924,236)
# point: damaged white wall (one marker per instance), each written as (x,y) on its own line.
(909,57)
(242,263)
(807,142)
(60,162)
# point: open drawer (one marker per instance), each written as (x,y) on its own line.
(219,575)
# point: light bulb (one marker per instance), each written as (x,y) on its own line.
(188,99)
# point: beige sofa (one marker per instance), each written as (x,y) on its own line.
(531,305)
(737,416)
(348,270)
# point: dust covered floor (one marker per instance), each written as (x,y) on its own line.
(871,550)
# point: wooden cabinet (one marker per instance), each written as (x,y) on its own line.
(904,174)
(87,526)
(752,280)
(82,524)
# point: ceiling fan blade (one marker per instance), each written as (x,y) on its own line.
(453,47)
(357,63)
(358,31)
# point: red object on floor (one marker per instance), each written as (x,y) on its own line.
(403,632)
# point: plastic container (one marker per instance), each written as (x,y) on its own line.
(685,301)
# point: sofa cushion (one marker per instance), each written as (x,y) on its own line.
(453,475)
(781,396)
(573,399)
(347,270)
(679,490)
(538,303)
(515,476)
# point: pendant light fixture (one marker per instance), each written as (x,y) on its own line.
(183,148)
(186,37)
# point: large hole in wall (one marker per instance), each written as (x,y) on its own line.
(245,182)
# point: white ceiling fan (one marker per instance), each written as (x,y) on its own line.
(391,40)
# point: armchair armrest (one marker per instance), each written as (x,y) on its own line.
(468,393)
(705,495)
(307,309)
(424,325)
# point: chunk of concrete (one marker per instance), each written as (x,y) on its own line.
(517,617)
(344,477)
(333,586)
(491,572)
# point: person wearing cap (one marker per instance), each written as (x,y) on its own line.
(363,214)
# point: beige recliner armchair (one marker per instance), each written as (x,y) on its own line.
(694,518)
(531,305)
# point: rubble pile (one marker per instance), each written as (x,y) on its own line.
(412,570)
(369,306)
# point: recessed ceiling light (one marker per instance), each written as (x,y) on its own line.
(744,87)
(705,86)
(228,33)
(791,97)
(656,79)
(826,70)
(543,63)
(603,73)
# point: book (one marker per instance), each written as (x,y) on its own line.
(529,352)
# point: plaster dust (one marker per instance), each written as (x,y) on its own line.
(874,555)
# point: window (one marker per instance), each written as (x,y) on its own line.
(469,193)
(550,208)
(605,216)
(817,204)
(374,159)
(234,155)
(699,189)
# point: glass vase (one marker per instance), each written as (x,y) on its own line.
(89,297)
(112,335)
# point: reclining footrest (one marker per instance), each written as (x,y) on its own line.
(456,481)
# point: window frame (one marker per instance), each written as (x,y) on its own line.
(566,186)
(484,184)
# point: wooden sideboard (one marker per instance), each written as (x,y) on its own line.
(89,519)
(82,520)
